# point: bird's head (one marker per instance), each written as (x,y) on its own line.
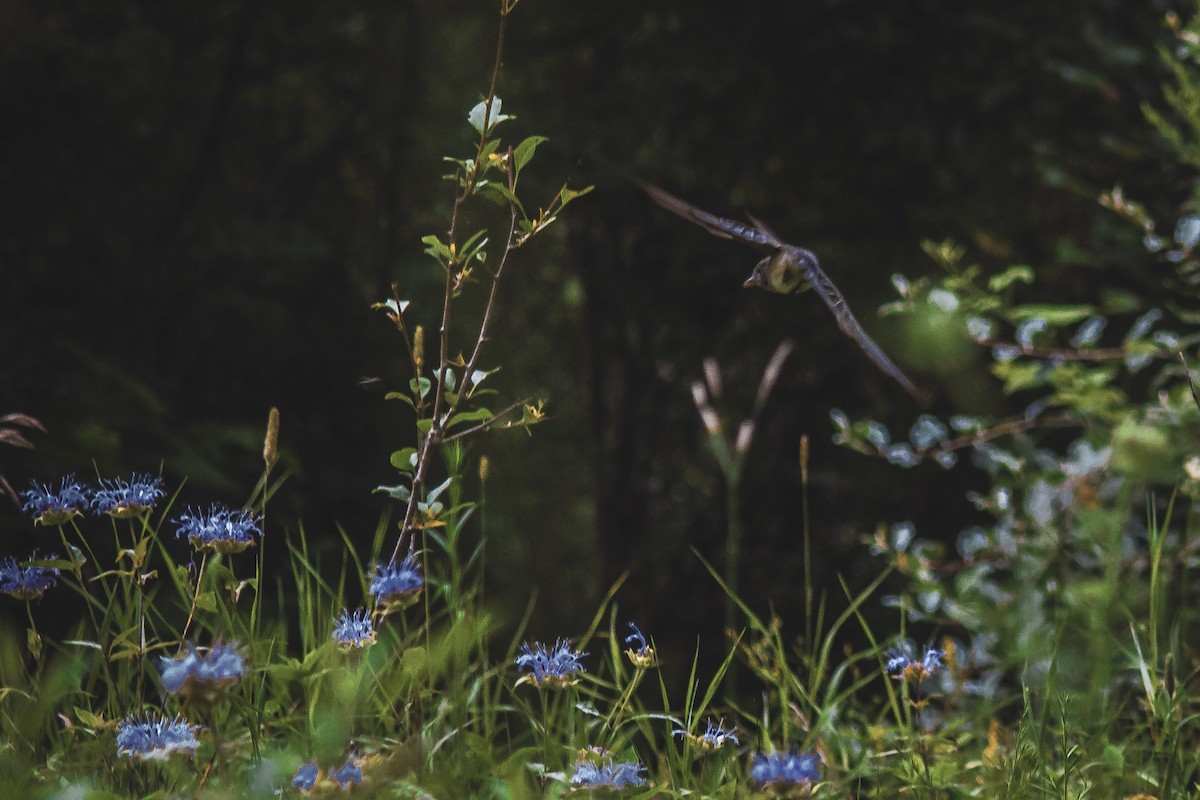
(779,272)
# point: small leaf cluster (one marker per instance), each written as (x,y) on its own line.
(445,389)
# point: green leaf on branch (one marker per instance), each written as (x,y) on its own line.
(423,385)
(1142,347)
(436,491)
(1088,390)
(501,195)
(568,194)
(478,415)
(435,247)
(1015,273)
(1018,375)
(399,492)
(478,376)
(525,150)
(488,151)
(1056,316)
(399,396)
(531,414)
(404,460)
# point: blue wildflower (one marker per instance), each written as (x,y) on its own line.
(557,667)
(203,676)
(784,769)
(903,665)
(714,736)
(122,499)
(26,583)
(348,774)
(55,506)
(220,529)
(306,776)
(156,738)
(397,585)
(608,775)
(640,653)
(354,630)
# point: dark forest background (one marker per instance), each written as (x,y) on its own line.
(200,201)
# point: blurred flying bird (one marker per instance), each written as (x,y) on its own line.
(786,270)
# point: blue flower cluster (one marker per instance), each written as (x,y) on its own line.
(608,775)
(204,676)
(152,738)
(345,776)
(714,736)
(348,774)
(220,529)
(354,629)
(122,499)
(28,582)
(59,506)
(118,498)
(785,769)
(395,585)
(555,667)
(306,776)
(904,665)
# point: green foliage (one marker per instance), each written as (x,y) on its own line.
(1182,130)
(1073,592)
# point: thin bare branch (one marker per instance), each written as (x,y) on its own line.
(483,426)
(1059,353)
(1006,428)
(441,413)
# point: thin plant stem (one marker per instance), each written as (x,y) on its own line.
(88,599)
(545,727)
(733,550)
(623,701)
(441,414)
(195,597)
(807,538)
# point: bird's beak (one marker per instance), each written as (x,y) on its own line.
(752,281)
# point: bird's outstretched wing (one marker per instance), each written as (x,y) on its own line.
(850,326)
(718,226)
(760,235)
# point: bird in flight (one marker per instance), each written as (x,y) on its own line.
(785,271)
